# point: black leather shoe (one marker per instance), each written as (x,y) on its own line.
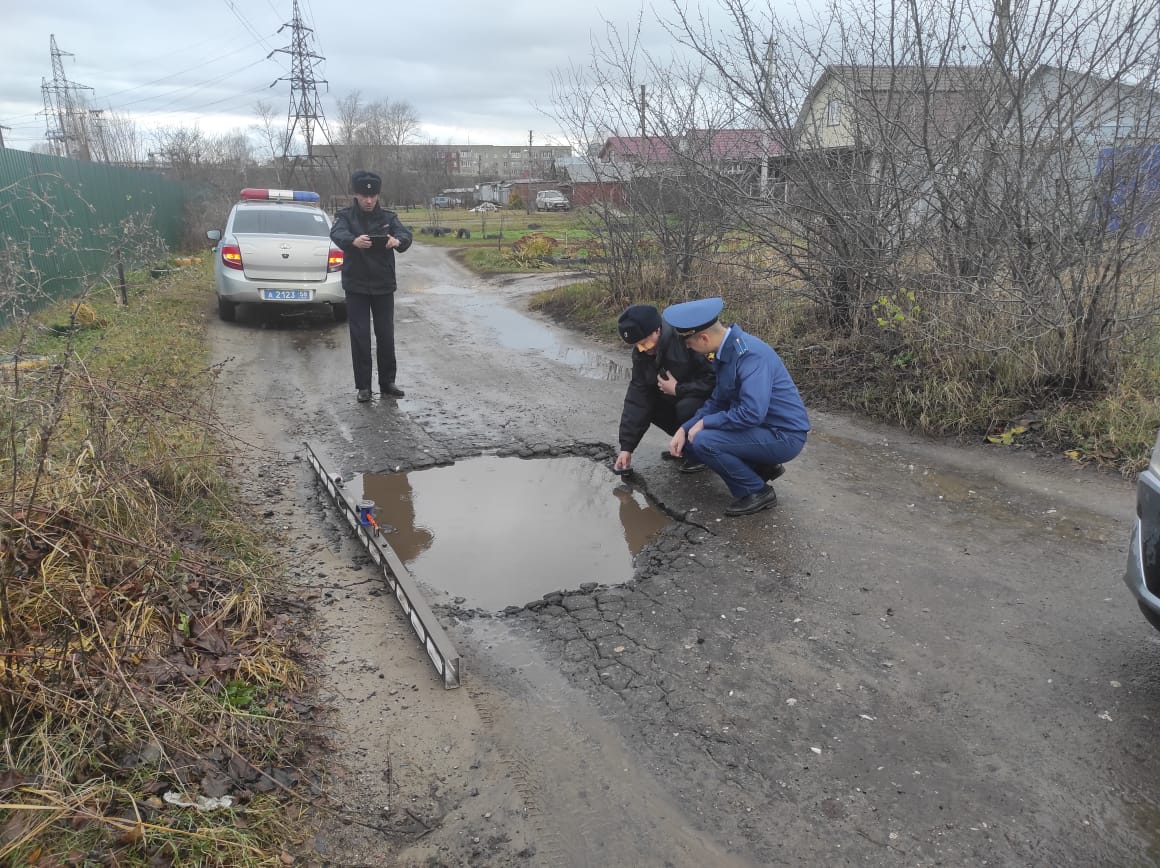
(770,472)
(391,391)
(691,466)
(751,503)
(364,395)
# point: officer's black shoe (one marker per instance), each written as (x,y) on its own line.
(770,472)
(691,466)
(364,395)
(751,503)
(391,391)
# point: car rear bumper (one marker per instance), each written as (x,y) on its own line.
(1142,574)
(234,286)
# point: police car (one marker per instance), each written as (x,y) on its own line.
(276,250)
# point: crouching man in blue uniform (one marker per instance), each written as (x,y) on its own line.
(753,422)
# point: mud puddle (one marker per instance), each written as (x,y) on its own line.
(504,531)
(521,334)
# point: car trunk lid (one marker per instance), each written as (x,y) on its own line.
(284,257)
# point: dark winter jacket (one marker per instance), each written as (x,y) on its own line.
(370,271)
(693,372)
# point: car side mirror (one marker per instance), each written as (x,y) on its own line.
(214,235)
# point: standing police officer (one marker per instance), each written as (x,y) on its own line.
(369,235)
(755,419)
(669,382)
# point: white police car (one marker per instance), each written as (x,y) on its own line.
(1142,574)
(276,250)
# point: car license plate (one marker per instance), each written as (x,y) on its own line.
(286,294)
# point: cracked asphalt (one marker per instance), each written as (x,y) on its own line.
(923,656)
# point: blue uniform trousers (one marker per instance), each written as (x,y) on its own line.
(734,454)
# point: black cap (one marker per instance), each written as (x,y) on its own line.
(366,183)
(638,322)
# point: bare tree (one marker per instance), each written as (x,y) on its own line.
(653,206)
(954,165)
(121,139)
(271,134)
(183,149)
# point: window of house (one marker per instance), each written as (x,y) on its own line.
(833,112)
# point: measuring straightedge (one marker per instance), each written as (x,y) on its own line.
(347,496)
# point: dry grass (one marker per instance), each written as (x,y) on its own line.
(936,363)
(139,655)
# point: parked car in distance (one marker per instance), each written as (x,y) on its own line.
(276,250)
(441,202)
(485,206)
(1142,574)
(552,200)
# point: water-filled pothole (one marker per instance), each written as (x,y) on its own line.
(505,531)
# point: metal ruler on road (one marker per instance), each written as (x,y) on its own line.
(400,582)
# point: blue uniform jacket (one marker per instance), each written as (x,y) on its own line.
(754,389)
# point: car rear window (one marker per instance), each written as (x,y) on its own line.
(283,222)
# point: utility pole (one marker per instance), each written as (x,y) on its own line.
(643,134)
(305,112)
(63,104)
(2,129)
(1001,31)
(528,198)
(765,119)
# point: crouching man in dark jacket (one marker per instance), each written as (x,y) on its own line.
(369,235)
(669,382)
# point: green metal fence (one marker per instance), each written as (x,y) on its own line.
(64,222)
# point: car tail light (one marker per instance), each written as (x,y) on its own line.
(232,256)
(334,260)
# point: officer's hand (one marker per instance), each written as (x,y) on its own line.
(362,242)
(696,429)
(392,242)
(677,444)
(667,383)
(623,461)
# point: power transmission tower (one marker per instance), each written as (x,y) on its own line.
(64,105)
(305,115)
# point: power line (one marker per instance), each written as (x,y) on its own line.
(305,113)
(201,65)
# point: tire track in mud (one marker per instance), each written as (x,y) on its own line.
(550,849)
(586,795)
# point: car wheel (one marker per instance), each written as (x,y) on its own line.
(339,312)
(227,310)
(1153,617)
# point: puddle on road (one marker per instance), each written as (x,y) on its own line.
(515,331)
(505,531)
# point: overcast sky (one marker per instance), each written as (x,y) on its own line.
(475,72)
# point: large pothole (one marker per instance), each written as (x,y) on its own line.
(505,531)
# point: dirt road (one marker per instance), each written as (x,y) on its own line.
(923,656)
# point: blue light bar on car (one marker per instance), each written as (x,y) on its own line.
(280,195)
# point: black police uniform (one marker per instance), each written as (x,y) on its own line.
(368,280)
(645,404)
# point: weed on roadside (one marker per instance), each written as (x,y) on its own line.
(147,682)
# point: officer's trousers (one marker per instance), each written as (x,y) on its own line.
(360,309)
(736,455)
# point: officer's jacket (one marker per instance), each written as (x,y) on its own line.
(754,389)
(371,271)
(692,371)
